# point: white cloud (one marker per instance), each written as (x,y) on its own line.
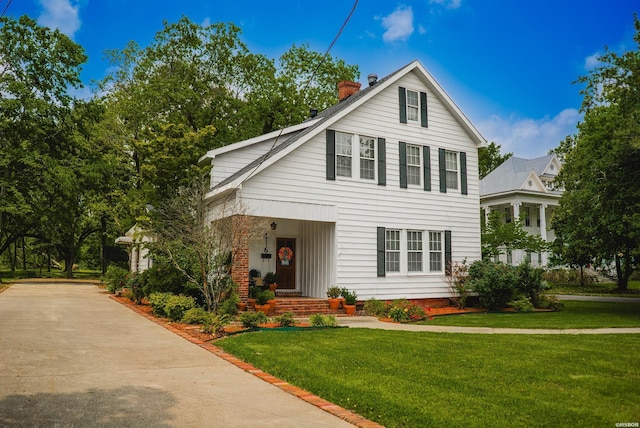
(399,25)
(421,29)
(592,61)
(60,14)
(206,22)
(449,4)
(529,138)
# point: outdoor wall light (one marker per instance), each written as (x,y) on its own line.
(273,226)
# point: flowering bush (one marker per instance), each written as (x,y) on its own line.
(401,310)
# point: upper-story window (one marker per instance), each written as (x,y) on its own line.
(414,164)
(367,158)
(344,149)
(413,106)
(451,164)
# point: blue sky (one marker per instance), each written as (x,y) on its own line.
(508,64)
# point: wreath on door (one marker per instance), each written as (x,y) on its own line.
(285,254)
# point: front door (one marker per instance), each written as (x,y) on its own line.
(286,263)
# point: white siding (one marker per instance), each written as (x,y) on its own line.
(362,206)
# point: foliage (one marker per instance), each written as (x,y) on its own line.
(457,282)
(263,296)
(375,307)
(196,315)
(163,276)
(398,314)
(136,288)
(319,320)
(489,158)
(570,276)
(158,301)
(530,282)
(495,283)
(286,319)
(229,305)
(350,297)
(550,302)
(399,310)
(253,319)
(598,219)
(215,324)
(498,237)
(522,304)
(333,292)
(115,278)
(176,306)
(270,278)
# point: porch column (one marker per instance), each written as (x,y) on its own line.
(240,255)
(543,230)
(517,254)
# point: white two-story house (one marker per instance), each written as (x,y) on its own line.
(378,193)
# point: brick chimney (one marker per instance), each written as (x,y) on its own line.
(347,88)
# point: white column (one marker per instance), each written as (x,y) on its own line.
(543,230)
(517,255)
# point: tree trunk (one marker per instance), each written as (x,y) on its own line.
(581,276)
(623,272)
(103,236)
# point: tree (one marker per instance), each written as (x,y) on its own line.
(498,237)
(37,68)
(489,158)
(599,212)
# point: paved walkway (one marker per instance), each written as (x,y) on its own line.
(70,356)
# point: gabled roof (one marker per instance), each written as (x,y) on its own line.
(327,117)
(515,173)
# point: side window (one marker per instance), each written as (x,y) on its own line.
(414,165)
(414,251)
(392,250)
(451,165)
(367,158)
(343,154)
(413,106)
(435,251)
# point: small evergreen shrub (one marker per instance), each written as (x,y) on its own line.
(495,283)
(115,278)
(253,319)
(285,320)
(376,308)
(215,324)
(522,304)
(262,297)
(229,306)
(158,302)
(196,315)
(319,320)
(176,306)
(530,282)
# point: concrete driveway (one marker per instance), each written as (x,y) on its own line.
(70,356)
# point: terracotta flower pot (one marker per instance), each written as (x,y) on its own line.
(334,304)
(263,308)
(272,305)
(349,309)
(242,306)
(273,287)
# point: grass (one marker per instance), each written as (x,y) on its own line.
(577,314)
(408,379)
(597,289)
(8,276)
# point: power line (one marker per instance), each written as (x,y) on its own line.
(6,7)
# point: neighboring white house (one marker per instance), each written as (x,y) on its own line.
(377,193)
(139,259)
(524,189)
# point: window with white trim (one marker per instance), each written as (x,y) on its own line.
(435,251)
(343,154)
(527,216)
(392,250)
(414,251)
(413,106)
(414,165)
(367,158)
(451,165)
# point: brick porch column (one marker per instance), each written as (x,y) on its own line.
(240,253)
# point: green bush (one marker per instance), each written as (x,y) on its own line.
(375,307)
(253,319)
(333,292)
(522,304)
(176,306)
(197,315)
(158,301)
(350,297)
(286,319)
(215,324)
(262,297)
(550,302)
(530,282)
(163,277)
(398,314)
(495,283)
(115,278)
(319,320)
(229,306)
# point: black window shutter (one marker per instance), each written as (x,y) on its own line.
(423,109)
(381,254)
(463,172)
(447,252)
(403,165)
(443,171)
(331,154)
(382,162)
(426,160)
(402,93)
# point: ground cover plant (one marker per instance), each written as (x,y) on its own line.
(576,314)
(409,379)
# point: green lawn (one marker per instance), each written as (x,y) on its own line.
(597,289)
(408,379)
(8,276)
(577,314)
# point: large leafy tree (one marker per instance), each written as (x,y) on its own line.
(499,236)
(599,213)
(37,67)
(490,157)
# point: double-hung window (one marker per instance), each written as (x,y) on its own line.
(414,164)
(413,106)
(392,250)
(435,251)
(451,165)
(343,154)
(367,158)
(414,251)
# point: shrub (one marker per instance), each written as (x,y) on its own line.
(458,284)
(494,282)
(374,307)
(530,282)
(286,319)
(136,290)
(262,297)
(197,315)
(229,306)
(163,277)
(350,297)
(319,320)
(216,323)
(522,304)
(412,311)
(398,314)
(115,278)
(176,306)
(550,302)
(158,302)
(253,319)
(334,292)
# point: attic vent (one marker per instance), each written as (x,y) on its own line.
(372,79)
(313,112)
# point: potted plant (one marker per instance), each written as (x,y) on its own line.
(262,301)
(271,279)
(333,295)
(251,301)
(350,299)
